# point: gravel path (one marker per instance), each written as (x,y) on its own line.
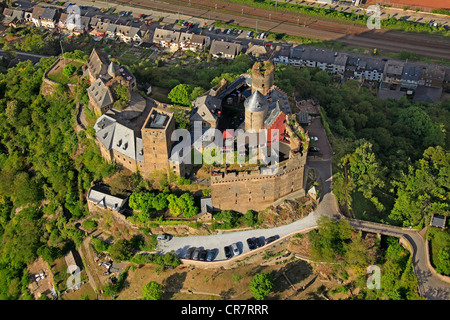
(219,241)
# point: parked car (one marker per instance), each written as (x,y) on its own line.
(203,254)
(314,138)
(249,34)
(258,242)
(235,249)
(251,243)
(211,28)
(225,31)
(196,254)
(164,237)
(271,239)
(189,252)
(228,253)
(229,31)
(313,149)
(212,254)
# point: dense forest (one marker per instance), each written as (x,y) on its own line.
(45,168)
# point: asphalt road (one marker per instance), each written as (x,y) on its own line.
(180,244)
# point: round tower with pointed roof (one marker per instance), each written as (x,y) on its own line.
(256,109)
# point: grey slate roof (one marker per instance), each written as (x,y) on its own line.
(411,72)
(97,62)
(220,48)
(438,221)
(116,136)
(205,108)
(48,14)
(319,55)
(428,94)
(105,200)
(256,102)
(100,93)
(165,35)
(37,12)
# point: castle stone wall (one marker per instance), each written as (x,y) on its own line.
(242,191)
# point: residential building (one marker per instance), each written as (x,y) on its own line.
(48,18)
(410,77)
(167,38)
(119,143)
(206,109)
(393,71)
(281,54)
(12,17)
(100,96)
(226,50)
(36,15)
(101,198)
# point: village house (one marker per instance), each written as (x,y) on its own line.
(206,109)
(167,38)
(102,199)
(12,17)
(226,50)
(281,54)
(257,51)
(199,42)
(393,71)
(48,18)
(36,15)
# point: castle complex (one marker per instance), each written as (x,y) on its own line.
(140,140)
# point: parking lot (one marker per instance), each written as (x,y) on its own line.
(218,241)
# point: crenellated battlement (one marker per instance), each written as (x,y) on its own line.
(289,166)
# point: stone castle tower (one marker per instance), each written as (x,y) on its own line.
(257,106)
(256,109)
(262,77)
(156,140)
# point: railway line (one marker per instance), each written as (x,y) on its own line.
(430,46)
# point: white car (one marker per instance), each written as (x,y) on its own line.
(164,237)
(313,138)
(235,249)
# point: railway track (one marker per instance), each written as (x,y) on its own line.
(280,21)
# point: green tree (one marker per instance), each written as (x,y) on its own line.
(365,171)
(425,189)
(261,285)
(69,70)
(251,218)
(443,261)
(121,250)
(151,291)
(180,94)
(328,242)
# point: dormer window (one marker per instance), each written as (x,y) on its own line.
(125,146)
(119,143)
